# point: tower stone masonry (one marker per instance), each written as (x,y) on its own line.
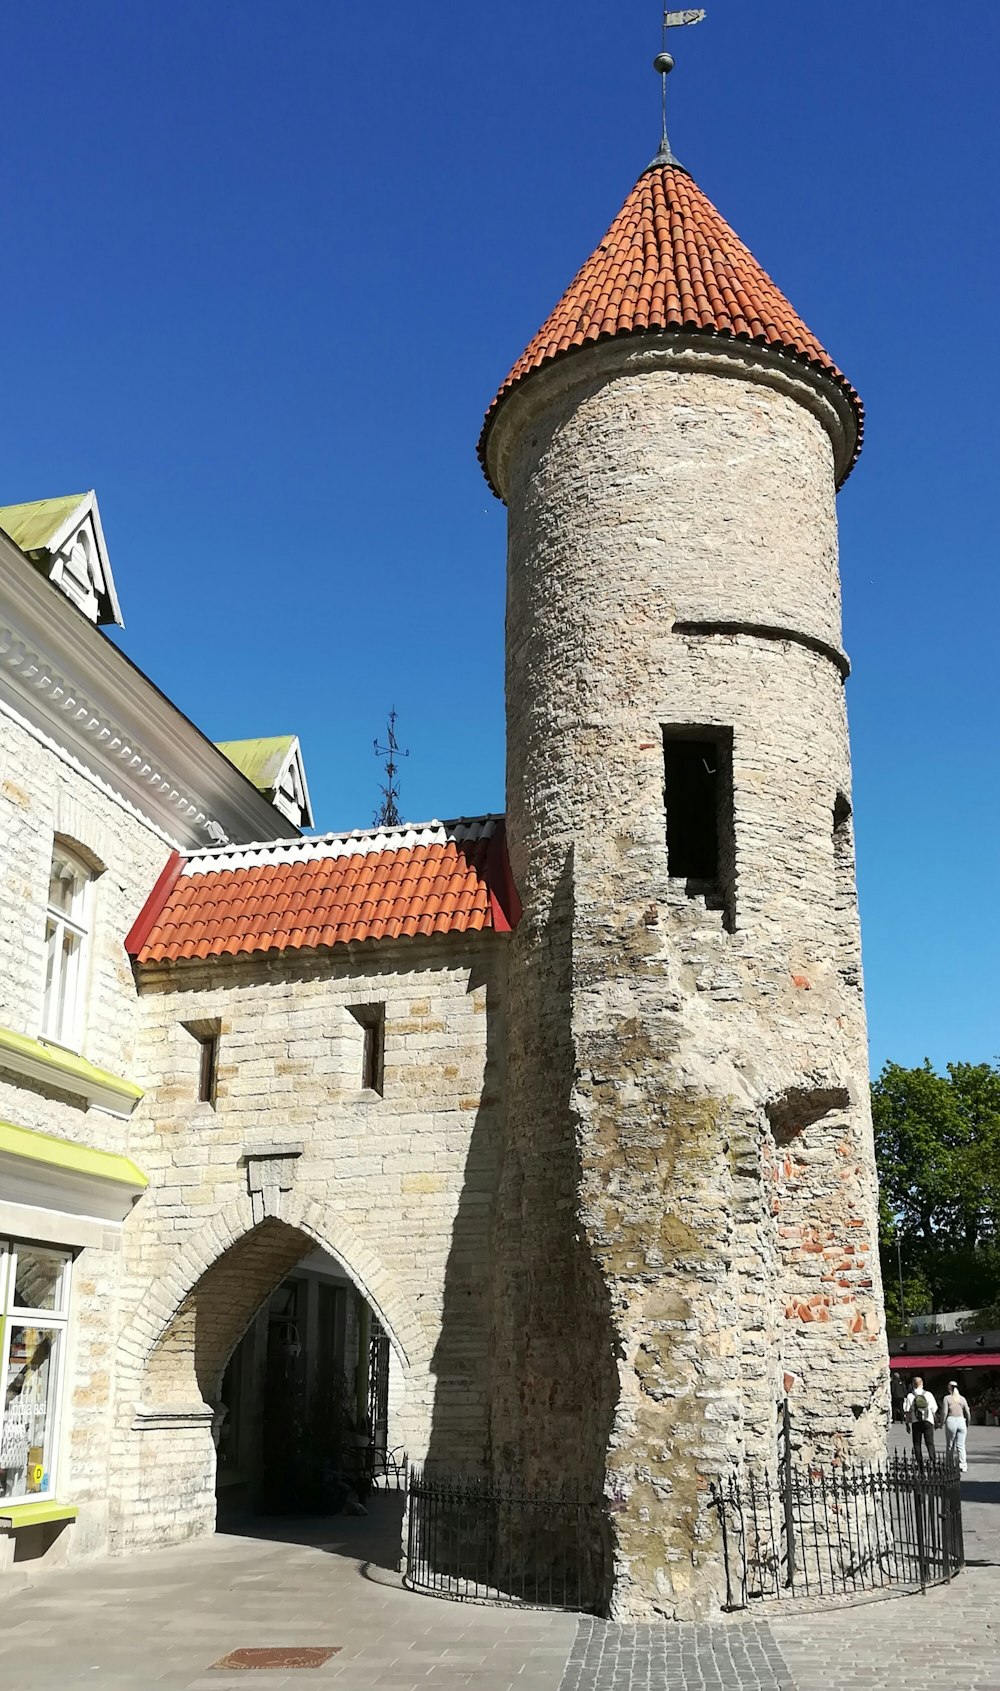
(568,1110)
(688,1204)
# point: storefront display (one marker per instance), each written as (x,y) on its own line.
(34,1306)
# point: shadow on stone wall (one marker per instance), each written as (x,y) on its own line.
(519,1266)
(461,1362)
(190,1358)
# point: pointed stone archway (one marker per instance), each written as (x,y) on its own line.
(174,1351)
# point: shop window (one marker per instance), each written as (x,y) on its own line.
(698,794)
(67,930)
(371,1020)
(34,1306)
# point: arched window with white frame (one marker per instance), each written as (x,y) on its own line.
(67,932)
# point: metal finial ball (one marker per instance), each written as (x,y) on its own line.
(664,63)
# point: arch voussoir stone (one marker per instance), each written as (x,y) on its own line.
(321,1224)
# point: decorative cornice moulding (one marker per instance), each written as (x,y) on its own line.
(72,686)
(103,741)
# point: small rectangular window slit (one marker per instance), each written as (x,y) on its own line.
(206,1036)
(207,1069)
(698,793)
(371,1020)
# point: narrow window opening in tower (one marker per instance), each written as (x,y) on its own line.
(698,793)
(845,895)
(843,854)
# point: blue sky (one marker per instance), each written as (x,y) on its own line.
(265,265)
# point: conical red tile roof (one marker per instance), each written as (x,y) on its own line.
(670,261)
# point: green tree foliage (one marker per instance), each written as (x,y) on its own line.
(918,1299)
(984,1320)
(937,1143)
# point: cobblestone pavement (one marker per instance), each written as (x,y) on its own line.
(949,1637)
(688,1658)
(159,1622)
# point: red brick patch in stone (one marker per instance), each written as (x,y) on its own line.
(286,1656)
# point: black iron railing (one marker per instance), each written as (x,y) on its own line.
(816,1531)
(389,1469)
(368,1467)
(378,1385)
(502,1542)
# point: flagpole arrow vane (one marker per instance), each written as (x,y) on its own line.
(664,64)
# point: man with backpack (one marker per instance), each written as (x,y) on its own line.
(920,1413)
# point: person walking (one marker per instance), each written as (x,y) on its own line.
(920,1413)
(897,1392)
(957,1417)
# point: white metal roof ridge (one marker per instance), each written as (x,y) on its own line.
(356,844)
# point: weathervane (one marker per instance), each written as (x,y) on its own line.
(664,63)
(388,814)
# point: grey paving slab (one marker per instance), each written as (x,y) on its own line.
(950,1636)
(157,1623)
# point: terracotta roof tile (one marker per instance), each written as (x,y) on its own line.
(304,894)
(671,262)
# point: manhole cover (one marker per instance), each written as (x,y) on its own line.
(289,1656)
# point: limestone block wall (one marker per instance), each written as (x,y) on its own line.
(40,797)
(398,1187)
(689,1162)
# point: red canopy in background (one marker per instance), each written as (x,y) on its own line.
(960,1359)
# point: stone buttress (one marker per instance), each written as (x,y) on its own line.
(687,1213)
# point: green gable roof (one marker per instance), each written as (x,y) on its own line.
(261,761)
(32,525)
(43,527)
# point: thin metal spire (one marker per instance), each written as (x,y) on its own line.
(664,64)
(388,814)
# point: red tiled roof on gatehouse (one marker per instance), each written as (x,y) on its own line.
(671,263)
(381,884)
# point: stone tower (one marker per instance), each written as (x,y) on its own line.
(687,1217)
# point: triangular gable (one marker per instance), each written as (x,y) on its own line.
(65,539)
(275,766)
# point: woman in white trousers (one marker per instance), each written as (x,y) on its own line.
(956,1416)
